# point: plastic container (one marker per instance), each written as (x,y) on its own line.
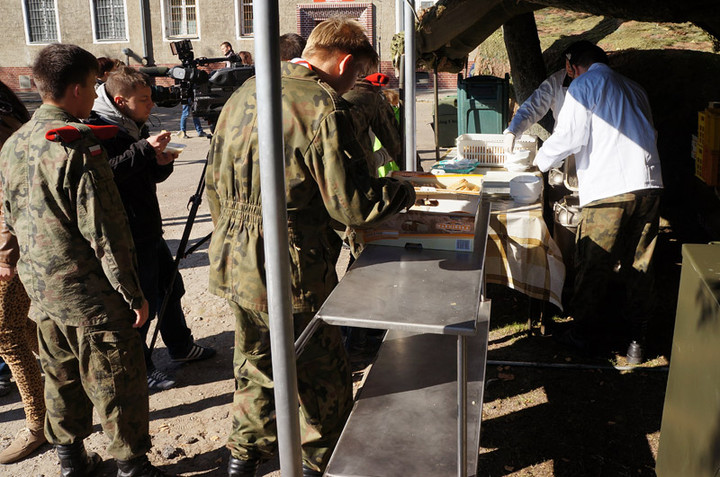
(489,149)
(525,189)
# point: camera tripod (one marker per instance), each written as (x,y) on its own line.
(194,204)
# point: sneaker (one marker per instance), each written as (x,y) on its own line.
(196,353)
(26,441)
(182,134)
(202,134)
(5,387)
(159,381)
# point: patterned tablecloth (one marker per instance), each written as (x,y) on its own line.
(521,254)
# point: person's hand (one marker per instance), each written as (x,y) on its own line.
(141,315)
(509,143)
(6,273)
(165,158)
(159,141)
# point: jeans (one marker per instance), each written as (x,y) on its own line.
(4,371)
(156,264)
(184,116)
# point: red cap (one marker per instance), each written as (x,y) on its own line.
(71,133)
(378,79)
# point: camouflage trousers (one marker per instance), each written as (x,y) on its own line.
(616,236)
(99,366)
(324,387)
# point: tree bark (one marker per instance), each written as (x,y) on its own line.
(526,62)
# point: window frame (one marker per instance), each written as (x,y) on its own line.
(239,33)
(26,21)
(96,40)
(165,17)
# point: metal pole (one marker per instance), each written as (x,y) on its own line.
(462,406)
(410,148)
(437,116)
(399,9)
(274,214)
(146,34)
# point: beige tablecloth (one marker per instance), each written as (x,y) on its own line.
(521,254)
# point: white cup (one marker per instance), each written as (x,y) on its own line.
(526,188)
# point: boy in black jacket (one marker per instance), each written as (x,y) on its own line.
(139,163)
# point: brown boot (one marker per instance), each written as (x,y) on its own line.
(26,441)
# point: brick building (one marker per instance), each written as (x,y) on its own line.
(138,31)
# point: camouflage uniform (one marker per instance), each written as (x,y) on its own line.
(78,265)
(371,111)
(326,179)
(620,229)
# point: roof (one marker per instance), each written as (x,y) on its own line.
(451,29)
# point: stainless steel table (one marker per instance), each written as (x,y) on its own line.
(418,292)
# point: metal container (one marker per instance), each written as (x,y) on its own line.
(566,214)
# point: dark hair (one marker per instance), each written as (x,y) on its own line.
(584,53)
(291,46)
(226,43)
(59,65)
(105,64)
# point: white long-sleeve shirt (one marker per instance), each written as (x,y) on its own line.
(607,123)
(548,96)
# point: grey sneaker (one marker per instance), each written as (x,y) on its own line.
(159,381)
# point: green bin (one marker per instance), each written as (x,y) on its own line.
(447,121)
(483,104)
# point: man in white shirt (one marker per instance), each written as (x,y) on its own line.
(549,96)
(607,123)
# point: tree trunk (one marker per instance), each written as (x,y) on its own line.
(526,62)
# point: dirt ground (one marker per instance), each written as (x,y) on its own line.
(538,420)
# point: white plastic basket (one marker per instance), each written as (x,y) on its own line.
(489,149)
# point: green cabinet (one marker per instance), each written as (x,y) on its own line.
(482,104)
(690,431)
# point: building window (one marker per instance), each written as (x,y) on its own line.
(245,17)
(181,19)
(109,20)
(41,21)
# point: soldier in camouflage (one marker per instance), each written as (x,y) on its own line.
(77,262)
(327,179)
(373,116)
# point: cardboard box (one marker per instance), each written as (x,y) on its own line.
(441,219)
(437,231)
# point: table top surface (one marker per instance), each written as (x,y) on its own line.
(424,291)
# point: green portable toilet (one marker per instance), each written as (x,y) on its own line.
(447,121)
(483,104)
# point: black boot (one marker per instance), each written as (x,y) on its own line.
(242,468)
(138,467)
(308,472)
(75,461)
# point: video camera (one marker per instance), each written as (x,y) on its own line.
(205,93)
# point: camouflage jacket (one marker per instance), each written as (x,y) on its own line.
(370,110)
(326,178)
(77,258)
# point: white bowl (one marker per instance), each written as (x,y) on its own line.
(526,188)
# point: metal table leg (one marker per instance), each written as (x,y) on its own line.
(462,405)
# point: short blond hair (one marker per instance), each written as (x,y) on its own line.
(124,80)
(345,35)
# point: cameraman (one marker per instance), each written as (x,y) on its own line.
(139,163)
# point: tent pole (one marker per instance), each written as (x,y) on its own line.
(410,147)
(274,214)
